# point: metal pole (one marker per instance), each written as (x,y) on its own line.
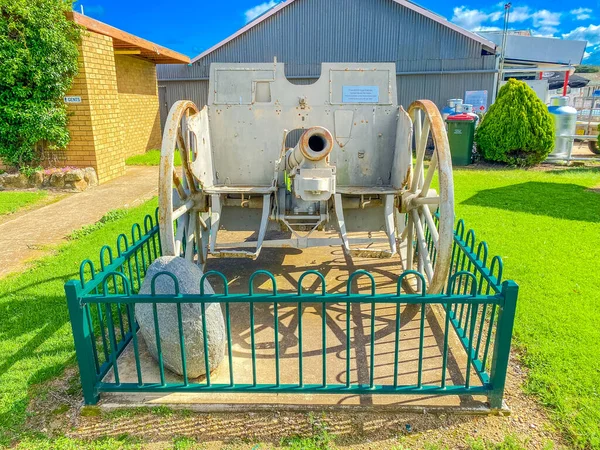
(566,83)
(503,49)
(501,355)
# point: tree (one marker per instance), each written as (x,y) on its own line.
(518,129)
(586,68)
(38,61)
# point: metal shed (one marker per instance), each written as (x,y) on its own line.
(434,58)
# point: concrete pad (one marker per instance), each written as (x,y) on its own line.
(287,265)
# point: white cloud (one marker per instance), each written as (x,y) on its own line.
(591,33)
(519,14)
(581,13)
(473,18)
(489,29)
(544,22)
(546,19)
(257,10)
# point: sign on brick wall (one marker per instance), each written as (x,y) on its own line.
(72,99)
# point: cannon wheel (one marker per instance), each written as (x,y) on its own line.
(179,196)
(427,239)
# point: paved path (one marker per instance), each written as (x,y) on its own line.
(28,235)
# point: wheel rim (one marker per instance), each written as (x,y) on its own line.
(179,195)
(426,241)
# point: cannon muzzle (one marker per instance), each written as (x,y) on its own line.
(315,144)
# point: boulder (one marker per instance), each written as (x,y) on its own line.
(90,176)
(14,180)
(188,275)
(37,179)
(74,175)
(57,180)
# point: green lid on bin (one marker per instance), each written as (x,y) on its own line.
(460,117)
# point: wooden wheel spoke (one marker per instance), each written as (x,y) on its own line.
(419,163)
(190,235)
(422,245)
(409,244)
(176,202)
(435,237)
(182,224)
(429,176)
(184,152)
(183,195)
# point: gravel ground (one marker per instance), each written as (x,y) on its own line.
(57,411)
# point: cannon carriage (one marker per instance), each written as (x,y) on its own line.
(337,162)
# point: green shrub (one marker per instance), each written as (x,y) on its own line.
(38,54)
(518,129)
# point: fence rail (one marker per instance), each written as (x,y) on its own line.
(477,309)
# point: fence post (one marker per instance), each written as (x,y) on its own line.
(504,330)
(83,344)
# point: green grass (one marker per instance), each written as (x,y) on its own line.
(150,158)
(545,225)
(12,201)
(35,335)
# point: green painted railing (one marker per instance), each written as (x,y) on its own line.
(478,307)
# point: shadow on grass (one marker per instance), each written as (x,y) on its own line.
(559,200)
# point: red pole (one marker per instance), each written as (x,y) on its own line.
(567,73)
(541,76)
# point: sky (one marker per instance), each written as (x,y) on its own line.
(192,27)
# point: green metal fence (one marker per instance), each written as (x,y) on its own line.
(478,307)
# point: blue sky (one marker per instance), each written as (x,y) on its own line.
(191,27)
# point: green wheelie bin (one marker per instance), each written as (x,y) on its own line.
(461,129)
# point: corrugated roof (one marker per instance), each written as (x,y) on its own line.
(488,45)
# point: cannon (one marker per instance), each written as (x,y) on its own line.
(336,162)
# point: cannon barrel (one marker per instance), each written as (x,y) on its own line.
(314,145)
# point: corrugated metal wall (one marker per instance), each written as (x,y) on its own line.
(308,32)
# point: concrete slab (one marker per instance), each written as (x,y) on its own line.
(287,265)
(28,236)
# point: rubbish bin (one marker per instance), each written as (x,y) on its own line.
(461,129)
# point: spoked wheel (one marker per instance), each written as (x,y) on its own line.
(428,204)
(181,201)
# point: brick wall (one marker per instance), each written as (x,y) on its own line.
(138,103)
(96,124)
(118,115)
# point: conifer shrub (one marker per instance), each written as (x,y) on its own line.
(517,129)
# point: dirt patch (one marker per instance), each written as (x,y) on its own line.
(595,189)
(56,411)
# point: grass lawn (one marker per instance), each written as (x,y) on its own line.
(545,225)
(12,201)
(150,158)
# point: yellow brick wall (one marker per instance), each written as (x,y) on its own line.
(96,125)
(119,111)
(138,103)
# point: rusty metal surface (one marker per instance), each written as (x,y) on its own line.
(176,189)
(234,158)
(246,132)
(414,201)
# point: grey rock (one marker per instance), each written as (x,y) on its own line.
(14,180)
(74,175)
(188,275)
(57,180)
(90,176)
(37,179)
